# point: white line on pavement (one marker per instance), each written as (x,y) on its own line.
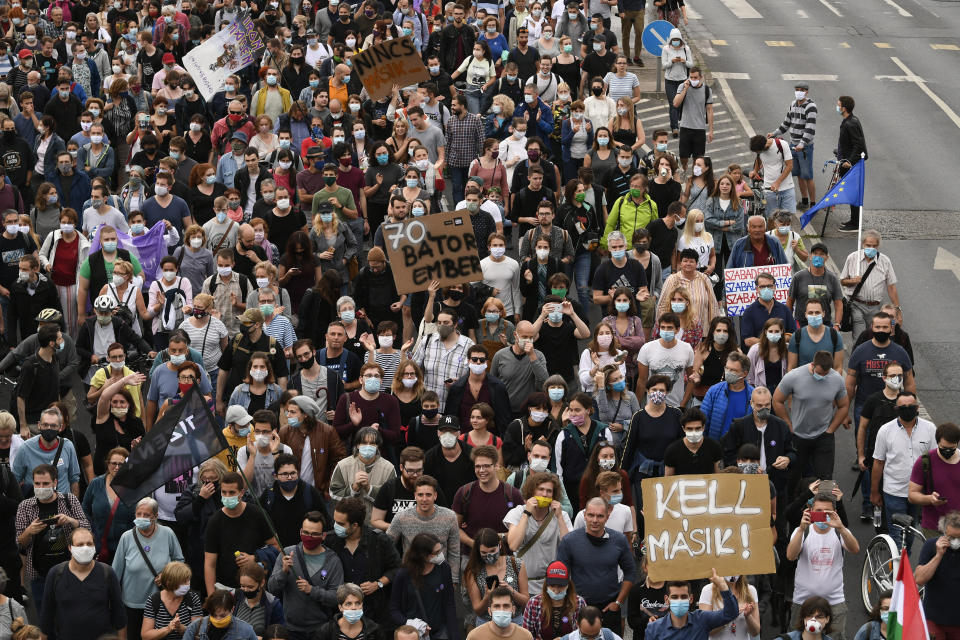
(692,13)
(923,87)
(810,77)
(802,14)
(734,106)
(903,12)
(728,75)
(832,8)
(900,78)
(741,9)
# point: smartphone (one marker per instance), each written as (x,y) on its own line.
(492,582)
(51,520)
(818,516)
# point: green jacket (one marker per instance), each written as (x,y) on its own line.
(627,217)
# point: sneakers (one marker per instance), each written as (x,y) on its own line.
(849,227)
(637,61)
(866,517)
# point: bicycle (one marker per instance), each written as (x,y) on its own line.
(757,203)
(882,560)
(834,179)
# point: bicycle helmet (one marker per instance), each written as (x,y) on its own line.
(104,303)
(49,315)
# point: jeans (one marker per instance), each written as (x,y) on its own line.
(36,591)
(784,199)
(817,452)
(632,19)
(458,180)
(896,504)
(581,276)
(473,102)
(803,162)
(671,87)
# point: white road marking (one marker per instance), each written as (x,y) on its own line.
(734,106)
(692,13)
(741,9)
(903,12)
(802,14)
(725,75)
(832,8)
(810,77)
(923,87)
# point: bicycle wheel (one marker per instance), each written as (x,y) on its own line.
(879,569)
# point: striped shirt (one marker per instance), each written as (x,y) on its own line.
(281,330)
(801,122)
(389,363)
(157,611)
(881,276)
(439,363)
(621,87)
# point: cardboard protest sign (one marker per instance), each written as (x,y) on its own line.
(435,247)
(694,523)
(740,290)
(227,52)
(392,62)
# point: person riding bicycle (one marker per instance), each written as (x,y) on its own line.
(775,168)
(102,330)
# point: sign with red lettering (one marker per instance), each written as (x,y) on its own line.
(740,287)
(439,247)
(392,62)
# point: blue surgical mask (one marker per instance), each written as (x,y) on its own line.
(870,252)
(293,421)
(555,316)
(382,158)
(367,451)
(110,246)
(814,320)
(557,595)
(412,183)
(352,615)
(662,146)
(822,526)
(766,294)
(619,385)
(622,307)
(142,523)
(678,307)
(556,395)
(668,335)
(817,261)
(348,316)
(417,212)
(371,385)
(230,502)
(884,617)
(177,360)
(243,431)
(679,608)
(618,255)
(616,498)
(492,317)
(341,532)
(818,378)
(501,618)
(137,227)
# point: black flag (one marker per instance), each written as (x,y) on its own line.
(183,438)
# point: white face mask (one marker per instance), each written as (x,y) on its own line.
(543,254)
(539,464)
(448,440)
(697,170)
(196,243)
(83,555)
(386,342)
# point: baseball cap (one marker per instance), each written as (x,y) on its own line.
(448,423)
(168,59)
(251,315)
(239,135)
(237,415)
(25,53)
(557,573)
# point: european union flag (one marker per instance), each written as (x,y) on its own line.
(848,191)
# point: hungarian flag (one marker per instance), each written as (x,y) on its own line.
(186,436)
(906,621)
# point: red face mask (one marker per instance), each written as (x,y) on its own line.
(185,387)
(310,543)
(346,161)
(235,117)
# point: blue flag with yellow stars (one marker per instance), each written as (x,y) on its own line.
(848,191)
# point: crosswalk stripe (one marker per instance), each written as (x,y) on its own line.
(832,8)
(778,43)
(883,45)
(729,75)
(741,9)
(812,77)
(903,12)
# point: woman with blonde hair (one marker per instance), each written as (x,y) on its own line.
(127,293)
(500,117)
(134,193)
(625,126)
(333,244)
(20,630)
(16,614)
(261,237)
(174,596)
(399,140)
(265,275)
(745,625)
(696,237)
(768,358)
(691,329)
(408,389)
(196,260)
(266,140)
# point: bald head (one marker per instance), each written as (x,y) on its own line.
(760,394)
(525,330)
(335,106)
(246,233)
(33,77)
(341,70)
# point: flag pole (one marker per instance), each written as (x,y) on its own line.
(860,217)
(232,455)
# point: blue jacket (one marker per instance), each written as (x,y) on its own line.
(544,124)
(54,148)
(566,137)
(79,188)
(742,253)
(241,395)
(715,408)
(273,608)
(699,623)
(105,163)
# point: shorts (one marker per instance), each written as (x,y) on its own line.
(693,142)
(648,312)
(803,163)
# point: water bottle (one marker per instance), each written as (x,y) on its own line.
(877,519)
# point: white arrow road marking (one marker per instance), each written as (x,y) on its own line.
(923,87)
(946,261)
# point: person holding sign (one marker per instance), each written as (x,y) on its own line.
(696,624)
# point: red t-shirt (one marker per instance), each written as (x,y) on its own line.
(65,262)
(761,255)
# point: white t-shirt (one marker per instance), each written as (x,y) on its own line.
(701,246)
(736,630)
(511,148)
(487,206)
(671,362)
(620,519)
(262,468)
(899,452)
(773,162)
(819,567)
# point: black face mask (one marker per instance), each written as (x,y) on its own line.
(597,91)
(881,336)
(455,295)
(430,414)
(596,540)
(947,452)
(908,412)
(251,594)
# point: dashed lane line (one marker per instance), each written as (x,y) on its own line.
(734,106)
(832,8)
(923,87)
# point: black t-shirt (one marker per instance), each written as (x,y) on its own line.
(685,461)
(234,360)
(226,535)
(50,545)
(630,275)
(467,316)
(559,347)
(11,250)
(649,598)
(5,456)
(526,62)
(449,474)
(663,240)
(393,497)
(151,64)
(878,410)
(664,194)
(595,65)
(107,437)
(525,204)
(245,265)
(282,227)
(651,436)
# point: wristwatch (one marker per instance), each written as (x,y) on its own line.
(527,513)
(379,585)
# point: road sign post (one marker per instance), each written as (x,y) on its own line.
(655,38)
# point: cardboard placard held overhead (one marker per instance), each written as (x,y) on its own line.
(440,247)
(695,523)
(392,62)
(740,286)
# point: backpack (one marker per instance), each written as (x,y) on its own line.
(465,500)
(235,344)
